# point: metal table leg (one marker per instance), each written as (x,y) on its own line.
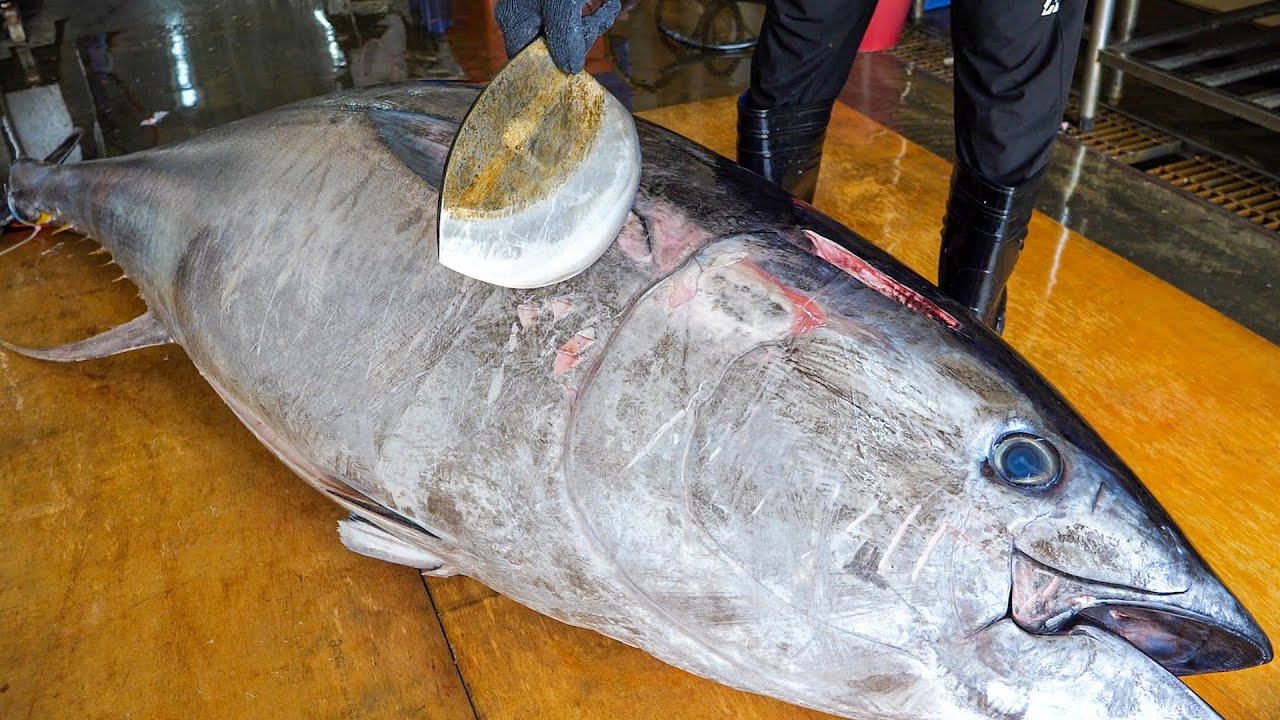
(1099,28)
(1128,21)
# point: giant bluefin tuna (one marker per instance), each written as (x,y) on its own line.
(745,440)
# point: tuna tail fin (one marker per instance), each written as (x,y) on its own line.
(57,157)
(65,148)
(140,332)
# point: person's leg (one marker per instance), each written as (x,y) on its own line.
(1013,66)
(800,63)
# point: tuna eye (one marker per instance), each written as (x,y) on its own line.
(1026,461)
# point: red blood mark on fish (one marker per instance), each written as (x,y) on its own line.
(633,239)
(531,312)
(571,352)
(682,292)
(866,274)
(673,236)
(806,314)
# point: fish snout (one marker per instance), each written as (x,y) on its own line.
(1201,629)
(1110,557)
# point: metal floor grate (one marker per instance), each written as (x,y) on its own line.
(1246,193)
(1234,187)
(1124,139)
(920,49)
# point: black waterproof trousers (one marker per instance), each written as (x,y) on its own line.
(1013,66)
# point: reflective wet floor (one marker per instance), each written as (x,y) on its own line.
(160,563)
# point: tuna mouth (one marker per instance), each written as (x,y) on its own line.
(1184,643)
(1203,629)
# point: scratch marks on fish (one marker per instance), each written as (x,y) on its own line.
(680,415)
(875,504)
(495,385)
(896,539)
(763,500)
(513,340)
(500,374)
(266,316)
(391,299)
(928,549)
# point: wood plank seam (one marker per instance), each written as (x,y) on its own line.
(448,642)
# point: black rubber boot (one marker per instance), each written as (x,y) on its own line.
(982,235)
(783,144)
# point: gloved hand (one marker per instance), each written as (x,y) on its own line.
(569,34)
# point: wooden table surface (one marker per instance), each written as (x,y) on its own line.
(159,563)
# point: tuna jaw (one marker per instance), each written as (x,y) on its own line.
(1201,629)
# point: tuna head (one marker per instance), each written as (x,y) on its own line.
(1098,571)
(858,503)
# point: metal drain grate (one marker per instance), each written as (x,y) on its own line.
(1234,187)
(1246,193)
(1124,139)
(920,49)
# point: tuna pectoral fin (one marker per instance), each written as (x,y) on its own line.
(140,332)
(362,536)
(420,141)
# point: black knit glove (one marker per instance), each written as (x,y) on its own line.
(569,34)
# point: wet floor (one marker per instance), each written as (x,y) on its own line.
(138,74)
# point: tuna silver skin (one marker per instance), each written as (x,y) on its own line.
(745,440)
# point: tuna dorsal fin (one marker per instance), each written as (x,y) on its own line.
(420,141)
(140,332)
